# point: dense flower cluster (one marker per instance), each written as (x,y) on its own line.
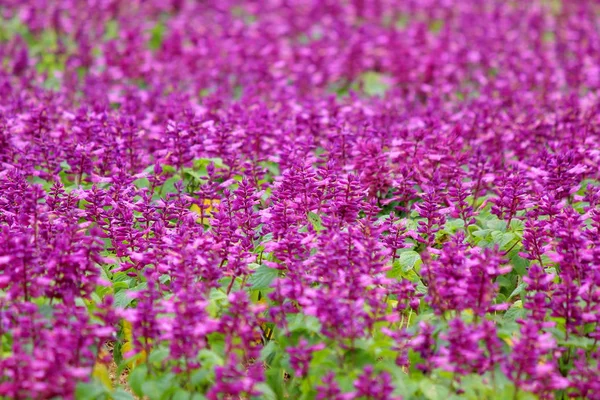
(319,199)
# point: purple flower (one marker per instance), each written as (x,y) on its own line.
(301,355)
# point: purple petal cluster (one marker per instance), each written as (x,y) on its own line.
(299,199)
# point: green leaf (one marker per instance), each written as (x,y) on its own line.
(156,36)
(198,176)
(46,310)
(519,263)
(120,394)
(481,233)
(118,286)
(158,355)
(304,322)
(111,30)
(137,378)
(396,270)
(169,185)
(181,394)
(202,163)
(268,351)
(359,357)
(518,290)
(122,299)
(152,389)
(433,391)
(217,295)
(421,288)
(501,238)
(436,25)
(516,225)
(515,311)
(210,358)
(266,392)
(89,391)
(412,276)
(275,382)
(409,260)
(374,83)
(142,183)
(262,277)
(316,221)
(526,396)
(454,224)
(272,167)
(121,276)
(496,224)
(199,376)
(160,388)
(577,341)
(500,298)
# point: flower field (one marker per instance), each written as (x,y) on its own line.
(299,199)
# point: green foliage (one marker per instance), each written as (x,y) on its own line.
(262,277)
(149,377)
(374,84)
